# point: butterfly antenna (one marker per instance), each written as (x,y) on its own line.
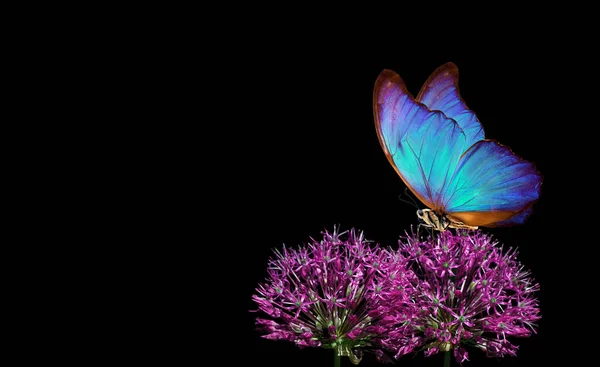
(410,200)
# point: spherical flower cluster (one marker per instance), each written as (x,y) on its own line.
(440,294)
(469,293)
(339,293)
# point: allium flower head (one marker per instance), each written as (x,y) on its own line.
(335,293)
(469,293)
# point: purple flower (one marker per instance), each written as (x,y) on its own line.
(468,293)
(338,293)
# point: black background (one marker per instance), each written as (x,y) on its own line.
(218,136)
(300,154)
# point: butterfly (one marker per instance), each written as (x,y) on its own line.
(438,148)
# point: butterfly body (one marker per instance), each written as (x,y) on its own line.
(439,222)
(438,148)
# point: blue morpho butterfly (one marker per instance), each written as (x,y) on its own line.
(437,147)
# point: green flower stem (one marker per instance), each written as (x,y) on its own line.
(447,359)
(336,359)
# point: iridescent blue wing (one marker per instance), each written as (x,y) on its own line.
(491,186)
(517,219)
(440,92)
(423,146)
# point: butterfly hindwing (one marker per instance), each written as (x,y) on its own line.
(491,184)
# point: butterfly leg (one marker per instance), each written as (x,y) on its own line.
(427,227)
